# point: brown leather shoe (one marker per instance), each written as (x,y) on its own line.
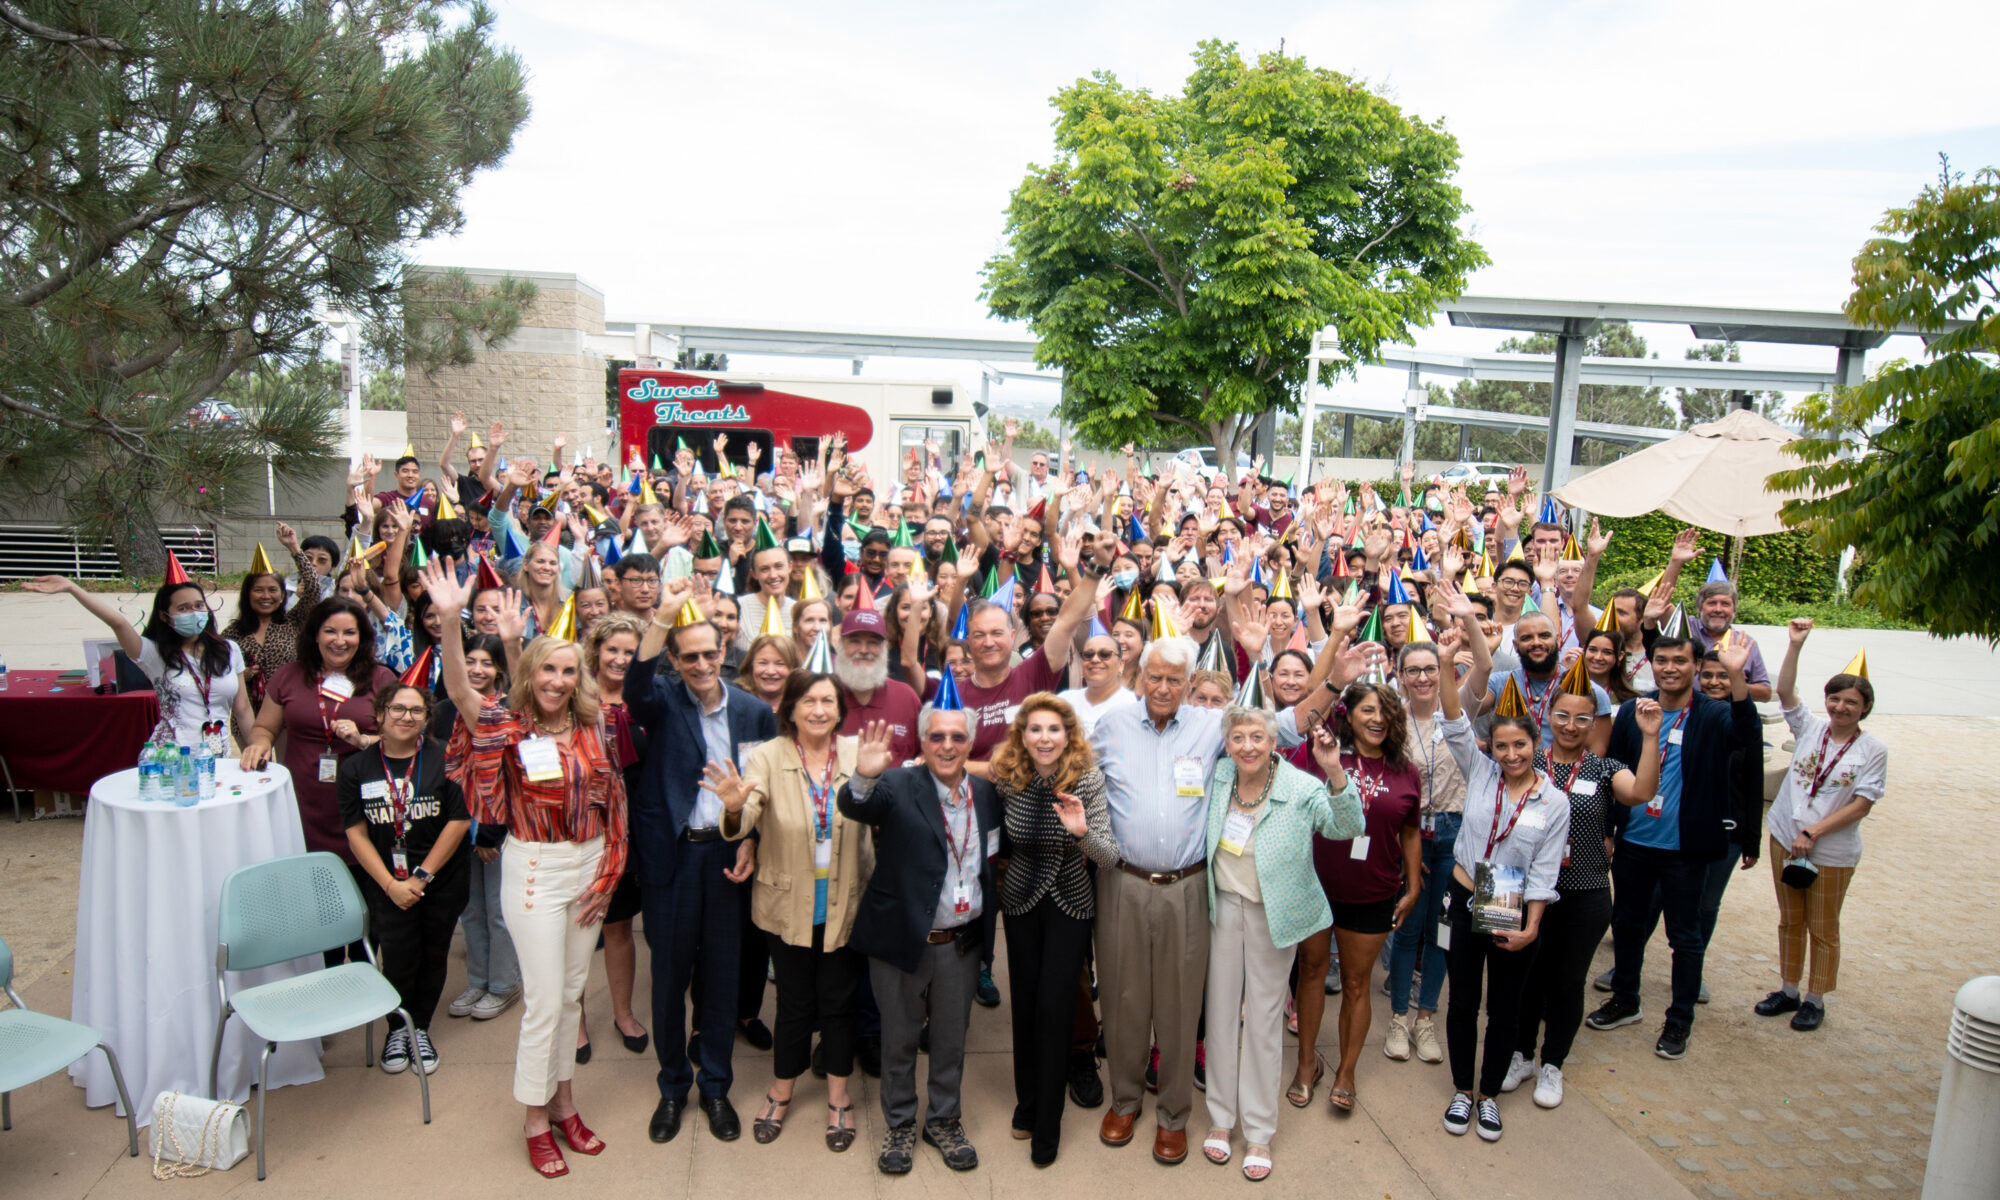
(1116,1129)
(1170,1147)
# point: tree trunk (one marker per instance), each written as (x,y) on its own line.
(142,553)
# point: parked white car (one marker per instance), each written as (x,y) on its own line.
(1476,476)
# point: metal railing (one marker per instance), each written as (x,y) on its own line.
(30,550)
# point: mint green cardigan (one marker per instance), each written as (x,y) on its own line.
(1294,903)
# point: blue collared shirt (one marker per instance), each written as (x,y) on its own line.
(1157,825)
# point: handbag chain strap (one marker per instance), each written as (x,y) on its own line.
(208,1146)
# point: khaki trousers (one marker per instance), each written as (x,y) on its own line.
(1152,959)
(1248,980)
(1814,915)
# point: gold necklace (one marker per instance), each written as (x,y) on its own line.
(568,720)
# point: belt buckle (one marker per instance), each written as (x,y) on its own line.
(1161,878)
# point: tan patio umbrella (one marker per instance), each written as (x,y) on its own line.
(1711,476)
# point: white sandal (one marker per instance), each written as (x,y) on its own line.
(1222,1144)
(1253,1161)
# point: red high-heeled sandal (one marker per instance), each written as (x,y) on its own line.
(542,1153)
(579,1136)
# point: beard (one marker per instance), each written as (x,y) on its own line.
(859,677)
(1543,665)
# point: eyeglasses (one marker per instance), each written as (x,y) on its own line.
(1093,655)
(405,710)
(641,581)
(696,656)
(946,739)
(1419,672)
(1567,721)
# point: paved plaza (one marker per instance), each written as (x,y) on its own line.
(1754,1110)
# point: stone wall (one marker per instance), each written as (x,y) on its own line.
(542,381)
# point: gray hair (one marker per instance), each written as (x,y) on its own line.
(1237,714)
(1709,591)
(1173,651)
(925,713)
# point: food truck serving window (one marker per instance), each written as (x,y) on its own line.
(701,440)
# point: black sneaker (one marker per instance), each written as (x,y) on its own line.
(1805,1020)
(1673,1041)
(949,1138)
(1489,1120)
(987,994)
(1086,1090)
(1611,1014)
(1458,1117)
(1777,1004)
(898,1150)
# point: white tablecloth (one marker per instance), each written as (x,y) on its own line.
(145,935)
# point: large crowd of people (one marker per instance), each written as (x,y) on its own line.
(1206,749)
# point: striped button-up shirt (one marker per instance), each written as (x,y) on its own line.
(1158,826)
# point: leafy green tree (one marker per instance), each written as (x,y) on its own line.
(1906,467)
(1030,436)
(384,391)
(188,185)
(1177,255)
(1617,404)
(1712,404)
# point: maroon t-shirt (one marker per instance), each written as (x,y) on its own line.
(893,702)
(1391,801)
(989,711)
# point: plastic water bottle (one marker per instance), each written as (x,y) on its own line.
(3,674)
(187,780)
(150,771)
(204,770)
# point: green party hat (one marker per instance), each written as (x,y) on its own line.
(1371,629)
(766,540)
(707,547)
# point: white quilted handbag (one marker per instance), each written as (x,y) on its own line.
(193,1135)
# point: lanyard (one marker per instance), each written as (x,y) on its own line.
(1667,731)
(1825,772)
(1539,706)
(203,682)
(403,794)
(1497,835)
(1428,748)
(1562,782)
(822,795)
(958,851)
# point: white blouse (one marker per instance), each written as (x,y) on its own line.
(181,704)
(1861,772)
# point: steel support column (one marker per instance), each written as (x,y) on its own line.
(1562,411)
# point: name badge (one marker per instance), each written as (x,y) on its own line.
(378,790)
(399,864)
(329,765)
(992,842)
(822,857)
(1583,787)
(337,688)
(1674,736)
(1427,826)
(961,899)
(1358,848)
(1187,777)
(539,760)
(1236,829)
(1444,935)
(1534,819)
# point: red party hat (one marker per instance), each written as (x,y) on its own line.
(419,674)
(487,577)
(176,573)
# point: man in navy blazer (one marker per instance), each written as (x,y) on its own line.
(925,919)
(688,875)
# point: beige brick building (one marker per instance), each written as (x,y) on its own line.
(543,381)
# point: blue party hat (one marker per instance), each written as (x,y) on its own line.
(1135,532)
(1715,572)
(946,699)
(1228,553)
(1097,628)
(958,627)
(1004,594)
(515,547)
(1397,593)
(1549,514)
(1257,571)
(607,550)
(1417,560)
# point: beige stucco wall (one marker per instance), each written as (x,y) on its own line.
(542,381)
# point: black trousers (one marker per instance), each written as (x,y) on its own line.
(753,969)
(1476,962)
(415,942)
(1553,1000)
(815,987)
(695,919)
(1636,874)
(1046,949)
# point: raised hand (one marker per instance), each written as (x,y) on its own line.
(1657,604)
(1686,546)
(1069,810)
(1544,564)
(442,586)
(288,538)
(496,433)
(1647,714)
(458,424)
(1799,629)
(513,618)
(1595,545)
(872,753)
(1517,482)
(50,585)
(729,786)
(720,443)
(1069,549)
(1735,654)
(1326,752)
(750,453)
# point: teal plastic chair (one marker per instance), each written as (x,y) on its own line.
(35,1046)
(273,912)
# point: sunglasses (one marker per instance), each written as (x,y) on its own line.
(1093,655)
(946,739)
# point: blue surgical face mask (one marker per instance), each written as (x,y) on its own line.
(188,624)
(851,547)
(1125,580)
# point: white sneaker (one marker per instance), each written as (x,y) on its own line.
(1427,1041)
(467,999)
(1549,1086)
(1519,1071)
(396,1051)
(1397,1044)
(492,1004)
(427,1055)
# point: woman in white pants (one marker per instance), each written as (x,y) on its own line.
(1263,898)
(538,765)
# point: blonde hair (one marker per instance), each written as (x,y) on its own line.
(607,625)
(786,648)
(1011,764)
(583,704)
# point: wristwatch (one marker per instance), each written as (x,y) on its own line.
(422,876)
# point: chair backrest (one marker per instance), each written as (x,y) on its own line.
(6,964)
(287,908)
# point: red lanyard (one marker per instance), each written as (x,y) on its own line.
(401,795)
(1667,733)
(1563,783)
(1497,835)
(1820,776)
(822,795)
(958,852)
(202,683)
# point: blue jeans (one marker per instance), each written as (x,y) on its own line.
(1420,930)
(490,964)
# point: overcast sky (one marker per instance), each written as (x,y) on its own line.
(849,164)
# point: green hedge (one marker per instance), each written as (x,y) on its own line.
(1777,566)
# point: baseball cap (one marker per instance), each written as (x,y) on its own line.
(798,545)
(864,620)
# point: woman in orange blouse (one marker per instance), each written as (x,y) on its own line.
(538,764)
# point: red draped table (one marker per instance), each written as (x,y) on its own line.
(57,735)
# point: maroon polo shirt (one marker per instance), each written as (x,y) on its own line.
(893,702)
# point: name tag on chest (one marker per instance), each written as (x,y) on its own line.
(1188,779)
(378,790)
(1674,736)
(1236,829)
(540,761)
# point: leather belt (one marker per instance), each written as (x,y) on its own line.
(1163,878)
(711,833)
(944,937)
